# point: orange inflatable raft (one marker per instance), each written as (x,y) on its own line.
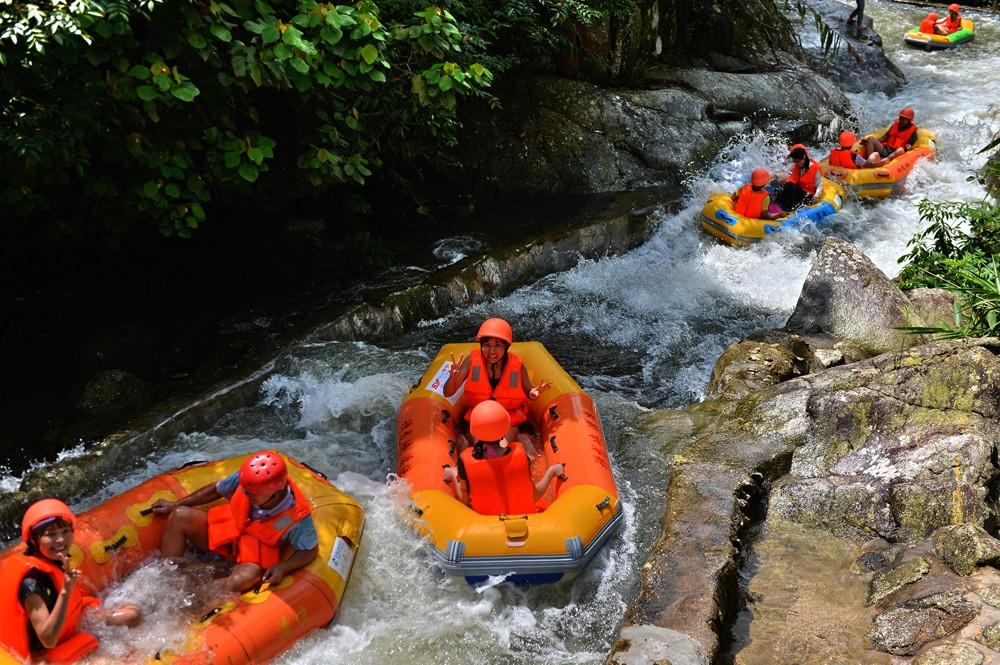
(113,538)
(580,514)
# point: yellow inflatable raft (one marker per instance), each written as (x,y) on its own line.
(583,510)
(886,179)
(940,42)
(114,537)
(720,219)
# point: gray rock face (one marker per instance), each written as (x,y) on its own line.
(904,629)
(847,296)
(895,446)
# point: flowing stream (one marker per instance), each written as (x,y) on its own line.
(639,333)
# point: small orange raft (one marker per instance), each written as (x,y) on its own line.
(113,538)
(581,512)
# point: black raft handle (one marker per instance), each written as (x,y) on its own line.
(552,412)
(604,504)
(115,545)
(552,442)
(445,416)
(209,614)
(146,511)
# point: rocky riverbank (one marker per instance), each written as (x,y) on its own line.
(842,425)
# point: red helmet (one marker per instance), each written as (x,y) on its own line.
(847,139)
(797,146)
(907,113)
(263,473)
(489,421)
(495,328)
(933,16)
(953,8)
(45,509)
(759,177)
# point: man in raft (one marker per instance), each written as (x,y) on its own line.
(265,511)
(493,373)
(893,143)
(497,472)
(42,604)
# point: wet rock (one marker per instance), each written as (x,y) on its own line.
(990,636)
(950,654)
(638,645)
(965,547)
(109,387)
(904,630)
(888,581)
(753,364)
(847,296)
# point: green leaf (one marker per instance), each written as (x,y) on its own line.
(140,72)
(150,189)
(232,160)
(147,93)
(255,155)
(221,32)
(197,40)
(369,53)
(248,172)
(270,34)
(172,190)
(186,92)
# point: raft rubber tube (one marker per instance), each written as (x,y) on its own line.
(580,513)
(927,42)
(113,538)
(720,219)
(886,179)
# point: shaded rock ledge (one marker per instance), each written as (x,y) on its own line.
(616,230)
(810,428)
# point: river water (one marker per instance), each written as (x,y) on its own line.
(639,332)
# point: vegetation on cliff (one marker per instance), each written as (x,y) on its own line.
(117,115)
(957,251)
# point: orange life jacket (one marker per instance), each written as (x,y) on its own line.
(952,26)
(806,181)
(501,485)
(508,393)
(72,644)
(750,203)
(927,26)
(231,533)
(898,139)
(843,157)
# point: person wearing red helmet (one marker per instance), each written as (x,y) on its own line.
(752,200)
(40,600)
(900,138)
(804,183)
(927,26)
(494,373)
(265,511)
(844,155)
(949,24)
(496,472)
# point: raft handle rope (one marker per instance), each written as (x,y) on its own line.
(604,504)
(209,614)
(115,545)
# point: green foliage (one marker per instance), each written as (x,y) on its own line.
(119,113)
(957,252)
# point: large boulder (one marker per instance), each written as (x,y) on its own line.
(847,296)
(895,446)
